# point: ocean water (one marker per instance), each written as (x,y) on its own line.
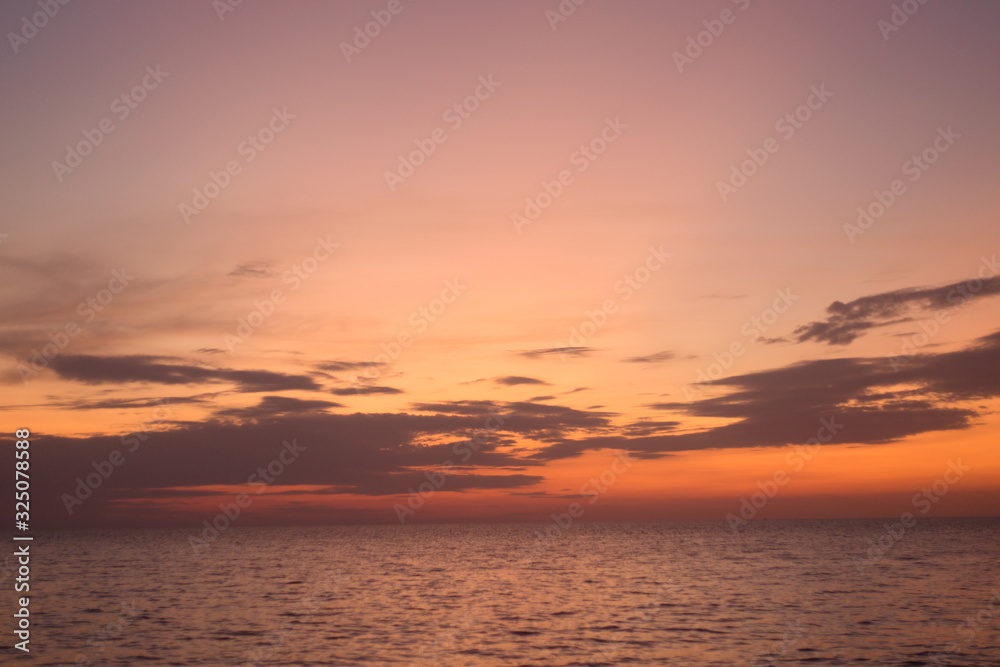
(775,593)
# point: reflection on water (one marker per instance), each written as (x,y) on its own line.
(779,592)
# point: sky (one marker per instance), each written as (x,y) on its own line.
(403,262)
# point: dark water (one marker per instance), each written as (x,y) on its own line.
(782,593)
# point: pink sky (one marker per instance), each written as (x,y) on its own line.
(637,260)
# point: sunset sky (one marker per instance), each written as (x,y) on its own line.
(697,233)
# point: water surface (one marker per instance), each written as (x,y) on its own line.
(778,592)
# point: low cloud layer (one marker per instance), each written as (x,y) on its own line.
(90,369)
(875,401)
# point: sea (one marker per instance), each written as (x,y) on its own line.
(830,592)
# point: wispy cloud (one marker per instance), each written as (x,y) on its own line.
(272,406)
(652,358)
(340,366)
(90,369)
(845,322)
(511,380)
(576,351)
(253,270)
(363,390)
